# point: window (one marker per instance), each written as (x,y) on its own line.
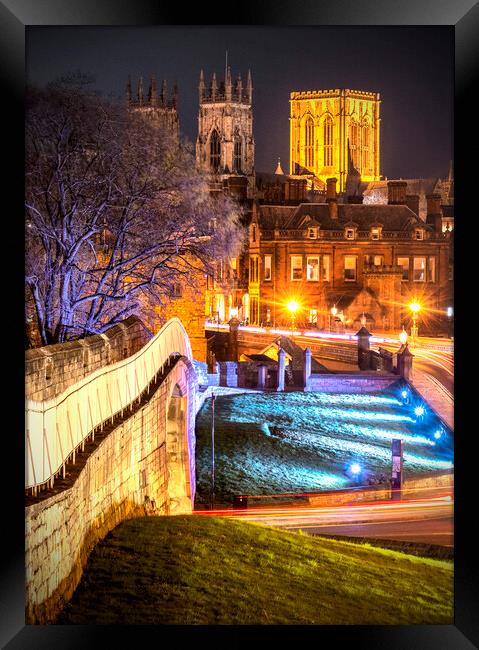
(419,269)
(350,268)
(419,233)
(403,262)
(296,267)
(354,142)
(326,267)
(308,143)
(328,141)
(365,146)
(237,152)
(177,290)
(267,267)
(312,268)
(431,269)
(312,232)
(375,233)
(375,260)
(253,268)
(313,316)
(349,233)
(253,233)
(215,151)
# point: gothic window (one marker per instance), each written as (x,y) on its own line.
(354,141)
(328,141)
(215,151)
(237,153)
(309,142)
(365,145)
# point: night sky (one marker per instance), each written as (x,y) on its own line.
(411,67)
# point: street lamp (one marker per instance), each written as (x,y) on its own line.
(415,308)
(334,311)
(403,336)
(293,308)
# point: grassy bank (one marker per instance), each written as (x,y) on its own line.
(211,570)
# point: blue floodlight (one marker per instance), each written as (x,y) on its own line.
(419,411)
(437,434)
(404,394)
(355,469)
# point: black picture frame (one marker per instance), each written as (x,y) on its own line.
(15,15)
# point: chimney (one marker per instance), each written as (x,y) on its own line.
(434,212)
(397,192)
(412,202)
(331,197)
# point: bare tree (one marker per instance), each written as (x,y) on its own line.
(115,213)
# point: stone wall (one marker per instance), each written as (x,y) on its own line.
(144,466)
(343,383)
(52,369)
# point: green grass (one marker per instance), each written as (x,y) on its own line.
(212,570)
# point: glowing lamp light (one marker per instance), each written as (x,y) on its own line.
(293,306)
(355,469)
(449,312)
(404,394)
(334,310)
(415,307)
(419,410)
(403,337)
(437,434)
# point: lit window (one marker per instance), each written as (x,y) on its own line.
(431,269)
(375,233)
(308,140)
(296,267)
(349,233)
(375,260)
(313,316)
(328,141)
(350,268)
(419,269)
(312,232)
(326,267)
(403,262)
(253,268)
(312,268)
(267,267)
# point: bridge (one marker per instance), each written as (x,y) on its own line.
(145,465)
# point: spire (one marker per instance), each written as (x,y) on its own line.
(451,172)
(239,88)
(140,90)
(175,95)
(201,87)
(152,91)
(213,87)
(228,84)
(128,90)
(163,96)
(249,88)
(278,168)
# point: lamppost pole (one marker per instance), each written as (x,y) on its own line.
(414,307)
(212,450)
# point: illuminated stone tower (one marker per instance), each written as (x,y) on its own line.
(225,143)
(156,106)
(324,123)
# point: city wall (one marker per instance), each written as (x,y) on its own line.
(144,466)
(52,369)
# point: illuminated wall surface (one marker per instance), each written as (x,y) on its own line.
(331,128)
(295,442)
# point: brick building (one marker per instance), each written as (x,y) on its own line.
(368,261)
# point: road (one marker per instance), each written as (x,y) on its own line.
(425,519)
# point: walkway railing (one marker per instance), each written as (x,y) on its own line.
(56,428)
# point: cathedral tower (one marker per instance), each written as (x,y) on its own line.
(157,106)
(330,129)
(225,143)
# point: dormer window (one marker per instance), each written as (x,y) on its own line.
(349,233)
(419,234)
(375,233)
(312,232)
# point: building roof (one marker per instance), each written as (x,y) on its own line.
(392,217)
